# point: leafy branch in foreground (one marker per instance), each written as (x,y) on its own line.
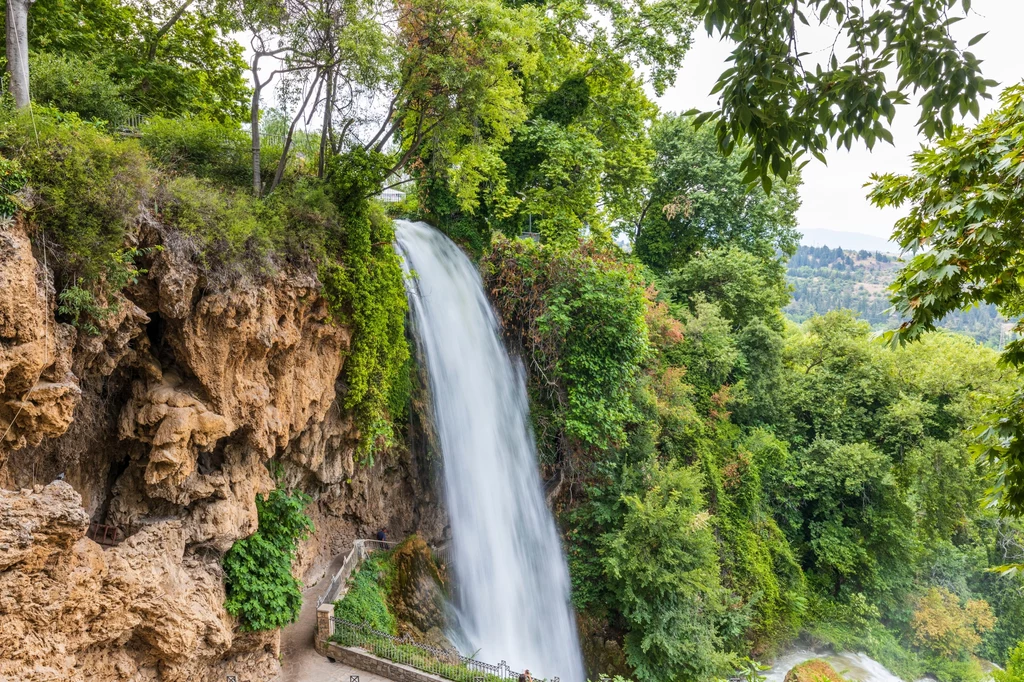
(966,207)
(783,108)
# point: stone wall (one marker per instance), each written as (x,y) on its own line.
(363,660)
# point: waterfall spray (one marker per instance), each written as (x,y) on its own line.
(512,576)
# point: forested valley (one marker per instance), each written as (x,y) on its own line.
(732,468)
(824,279)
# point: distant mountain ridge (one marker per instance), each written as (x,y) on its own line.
(853,241)
(827,278)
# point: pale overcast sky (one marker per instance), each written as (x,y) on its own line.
(833,196)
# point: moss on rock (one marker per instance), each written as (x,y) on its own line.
(814,670)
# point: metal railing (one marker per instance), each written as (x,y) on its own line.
(449,664)
(104,534)
(362,549)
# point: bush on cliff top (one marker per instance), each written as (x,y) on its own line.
(89,193)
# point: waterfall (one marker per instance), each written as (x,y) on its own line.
(512,577)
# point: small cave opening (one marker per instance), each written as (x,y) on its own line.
(156,332)
(212,461)
(100,530)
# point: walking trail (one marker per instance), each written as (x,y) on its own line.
(299,660)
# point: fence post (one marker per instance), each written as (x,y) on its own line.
(324,627)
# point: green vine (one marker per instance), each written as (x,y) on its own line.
(365,290)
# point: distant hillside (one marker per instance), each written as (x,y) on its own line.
(847,240)
(826,279)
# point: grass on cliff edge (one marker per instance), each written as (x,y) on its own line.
(90,195)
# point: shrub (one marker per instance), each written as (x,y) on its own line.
(579,315)
(947,628)
(202,147)
(367,598)
(76,85)
(1014,671)
(88,188)
(12,180)
(261,590)
(664,568)
(83,307)
(225,223)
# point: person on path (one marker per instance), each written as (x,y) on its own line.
(382,534)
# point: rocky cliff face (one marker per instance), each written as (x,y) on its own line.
(162,426)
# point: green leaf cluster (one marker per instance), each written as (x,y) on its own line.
(261,590)
(966,205)
(780,107)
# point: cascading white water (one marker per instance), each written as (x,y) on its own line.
(858,667)
(512,576)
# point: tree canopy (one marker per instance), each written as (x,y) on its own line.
(965,244)
(776,105)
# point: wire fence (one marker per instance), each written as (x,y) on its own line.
(446,663)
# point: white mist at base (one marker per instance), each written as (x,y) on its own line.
(857,667)
(513,582)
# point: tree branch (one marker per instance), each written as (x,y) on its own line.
(162,31)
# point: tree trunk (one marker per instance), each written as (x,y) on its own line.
(326,132)
(17,50)
(279,174)
(257,180)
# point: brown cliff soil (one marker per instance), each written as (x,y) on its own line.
(162,425)
(814,670)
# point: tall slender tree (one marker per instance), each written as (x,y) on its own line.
(17,50)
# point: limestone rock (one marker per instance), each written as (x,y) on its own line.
(417,598)
(38,392)
(165,425)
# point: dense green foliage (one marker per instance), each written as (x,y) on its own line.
(261,590)
(121,56)
(367,293)
(1014,671)
(579,314)
(79,85)
(366,601)
(763,479)
(700,200)
(963,229)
